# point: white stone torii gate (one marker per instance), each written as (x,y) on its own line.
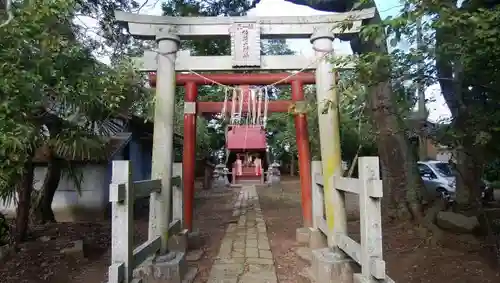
(237,28)
(246,34)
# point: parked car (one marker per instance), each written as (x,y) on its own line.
(440,178)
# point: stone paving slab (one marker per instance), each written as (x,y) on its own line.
(245,255)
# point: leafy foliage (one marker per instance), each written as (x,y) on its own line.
(446,42)
(4,231)
(54,92)
(460,42)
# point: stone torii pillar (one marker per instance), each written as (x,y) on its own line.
(159,211)
(329,130)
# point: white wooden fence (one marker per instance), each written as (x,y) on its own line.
(122,194)
(368,253)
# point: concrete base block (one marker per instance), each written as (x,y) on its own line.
(194,240)
(274,180)
(332,267)
(317,239)
(219,183)
(302,235)
(190,275)
(304,253)
(359,278)
(194,255)
(178,242)
(171,268)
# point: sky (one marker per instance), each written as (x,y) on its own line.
(436,105)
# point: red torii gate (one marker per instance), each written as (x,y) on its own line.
(191,83)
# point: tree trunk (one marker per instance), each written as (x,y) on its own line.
(403,188)
(469,156)
(292,164)
(42,212)
(24,191)
(451,88)
(470,167)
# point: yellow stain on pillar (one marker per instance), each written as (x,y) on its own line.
(330,214)
(331,166)
(332,162)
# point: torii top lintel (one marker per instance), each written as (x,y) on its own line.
(147,26)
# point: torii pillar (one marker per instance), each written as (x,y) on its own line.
(304,152)
(160,204)
(189,152)
(329,132)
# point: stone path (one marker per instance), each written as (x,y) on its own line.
(245,255)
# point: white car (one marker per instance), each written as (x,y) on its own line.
(439,178)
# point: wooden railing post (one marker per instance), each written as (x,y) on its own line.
(177,194)
(370,194)
(318,203)
(368,253)
(122,193)
(121,196)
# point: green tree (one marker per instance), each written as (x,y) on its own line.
(460,53)
(53,92)
(403,186)
(466,68)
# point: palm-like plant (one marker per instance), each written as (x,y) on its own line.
(53,94)
(79,126)
(66,143)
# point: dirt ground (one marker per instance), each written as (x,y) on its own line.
(456,259)
(409,257)
(40,259)
(213,213)
(282,213)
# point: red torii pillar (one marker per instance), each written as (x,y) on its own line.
(189,152)
(302,138)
